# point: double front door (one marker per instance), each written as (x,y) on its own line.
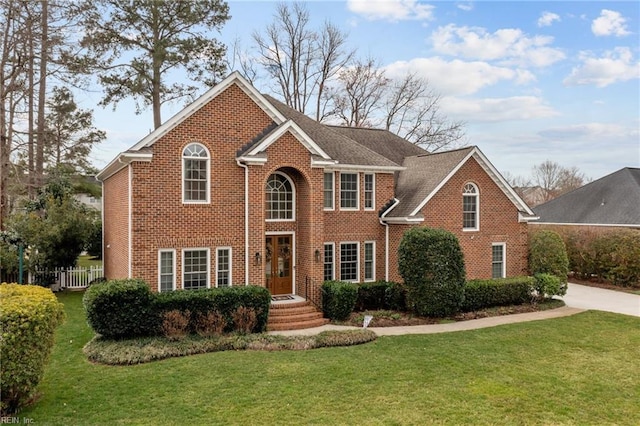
(278,264)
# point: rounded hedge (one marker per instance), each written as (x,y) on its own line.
(119,309)
(432,266)
(338,299)
(28,319)
(548,255)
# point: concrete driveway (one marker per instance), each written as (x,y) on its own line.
(584,297)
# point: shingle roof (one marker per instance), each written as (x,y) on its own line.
(338,146)
(422,176)
(610,200)
(381,141)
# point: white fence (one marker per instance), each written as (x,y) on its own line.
(73,278)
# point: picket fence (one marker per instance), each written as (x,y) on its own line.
(71,278)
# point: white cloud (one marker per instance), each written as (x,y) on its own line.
(615,66)
(475,110)
(467,7)
(509,46)
(458,77)
(608,23)
(591,131)
(391,10)
(547,18)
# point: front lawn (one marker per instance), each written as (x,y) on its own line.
(572,370)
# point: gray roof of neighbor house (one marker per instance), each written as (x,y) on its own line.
(338,146)
(423,174)
(610,200)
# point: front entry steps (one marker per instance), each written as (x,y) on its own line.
(294,316)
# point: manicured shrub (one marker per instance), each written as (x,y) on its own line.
(338,299)
(548,285)
(432,266)
(120,309)
(380,295)
(331,338)
(28,319)
(481,294)
(225,301)
(175,324)
(548,254)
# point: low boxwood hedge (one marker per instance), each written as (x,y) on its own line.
(28,319)
(480,294)
(378,295)
(338,299)
(127,308)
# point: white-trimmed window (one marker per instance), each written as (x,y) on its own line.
(195,268)
(349,190)
(470,207)
(498,264)
(369,260)
(223,267)
(279,197)
(349,262)
(195,174)
(369,191)
(329,262)
(166,270)
(328,191)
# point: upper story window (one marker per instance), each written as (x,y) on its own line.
(328,191)
(279,197)
(349,191)
(369,191)
(470,207)
(195,174)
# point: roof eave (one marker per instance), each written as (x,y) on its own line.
(402,220)
(613,225)
(122,160)
(365,168)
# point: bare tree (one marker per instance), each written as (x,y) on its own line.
(359,93)
(412,110)
(161,36)
(555,179)
(299,59)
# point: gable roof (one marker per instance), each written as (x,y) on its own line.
(612,200)
(425,175)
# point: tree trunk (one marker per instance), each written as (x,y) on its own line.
(42,93)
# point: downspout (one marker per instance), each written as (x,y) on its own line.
(246,221)
(130,220)
(386,238)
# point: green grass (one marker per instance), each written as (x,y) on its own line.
(87,261)
(579,370)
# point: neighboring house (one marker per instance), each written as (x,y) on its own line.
(612,201)
(91,200)
(238,188)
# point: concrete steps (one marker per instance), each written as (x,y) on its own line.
(294,316)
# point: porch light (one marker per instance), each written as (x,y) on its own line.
(258,259)
(317,255)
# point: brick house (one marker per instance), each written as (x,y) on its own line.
(239,188)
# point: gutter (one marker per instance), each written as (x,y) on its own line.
(246,221)
(386,238)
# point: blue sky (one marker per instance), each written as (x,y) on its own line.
(532,80)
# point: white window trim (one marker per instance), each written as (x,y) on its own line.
(357,207)
(333,262)
(504,258)
(208,160)
(333,192)
(477,195)
(293,200)
(218,249)
(357,243)
(373,191)
(173,256)
(373,260)
(208,250)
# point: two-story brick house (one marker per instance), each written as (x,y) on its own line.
(238,188)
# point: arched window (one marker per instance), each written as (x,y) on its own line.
(470,207)
(279,197)
(195,174)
